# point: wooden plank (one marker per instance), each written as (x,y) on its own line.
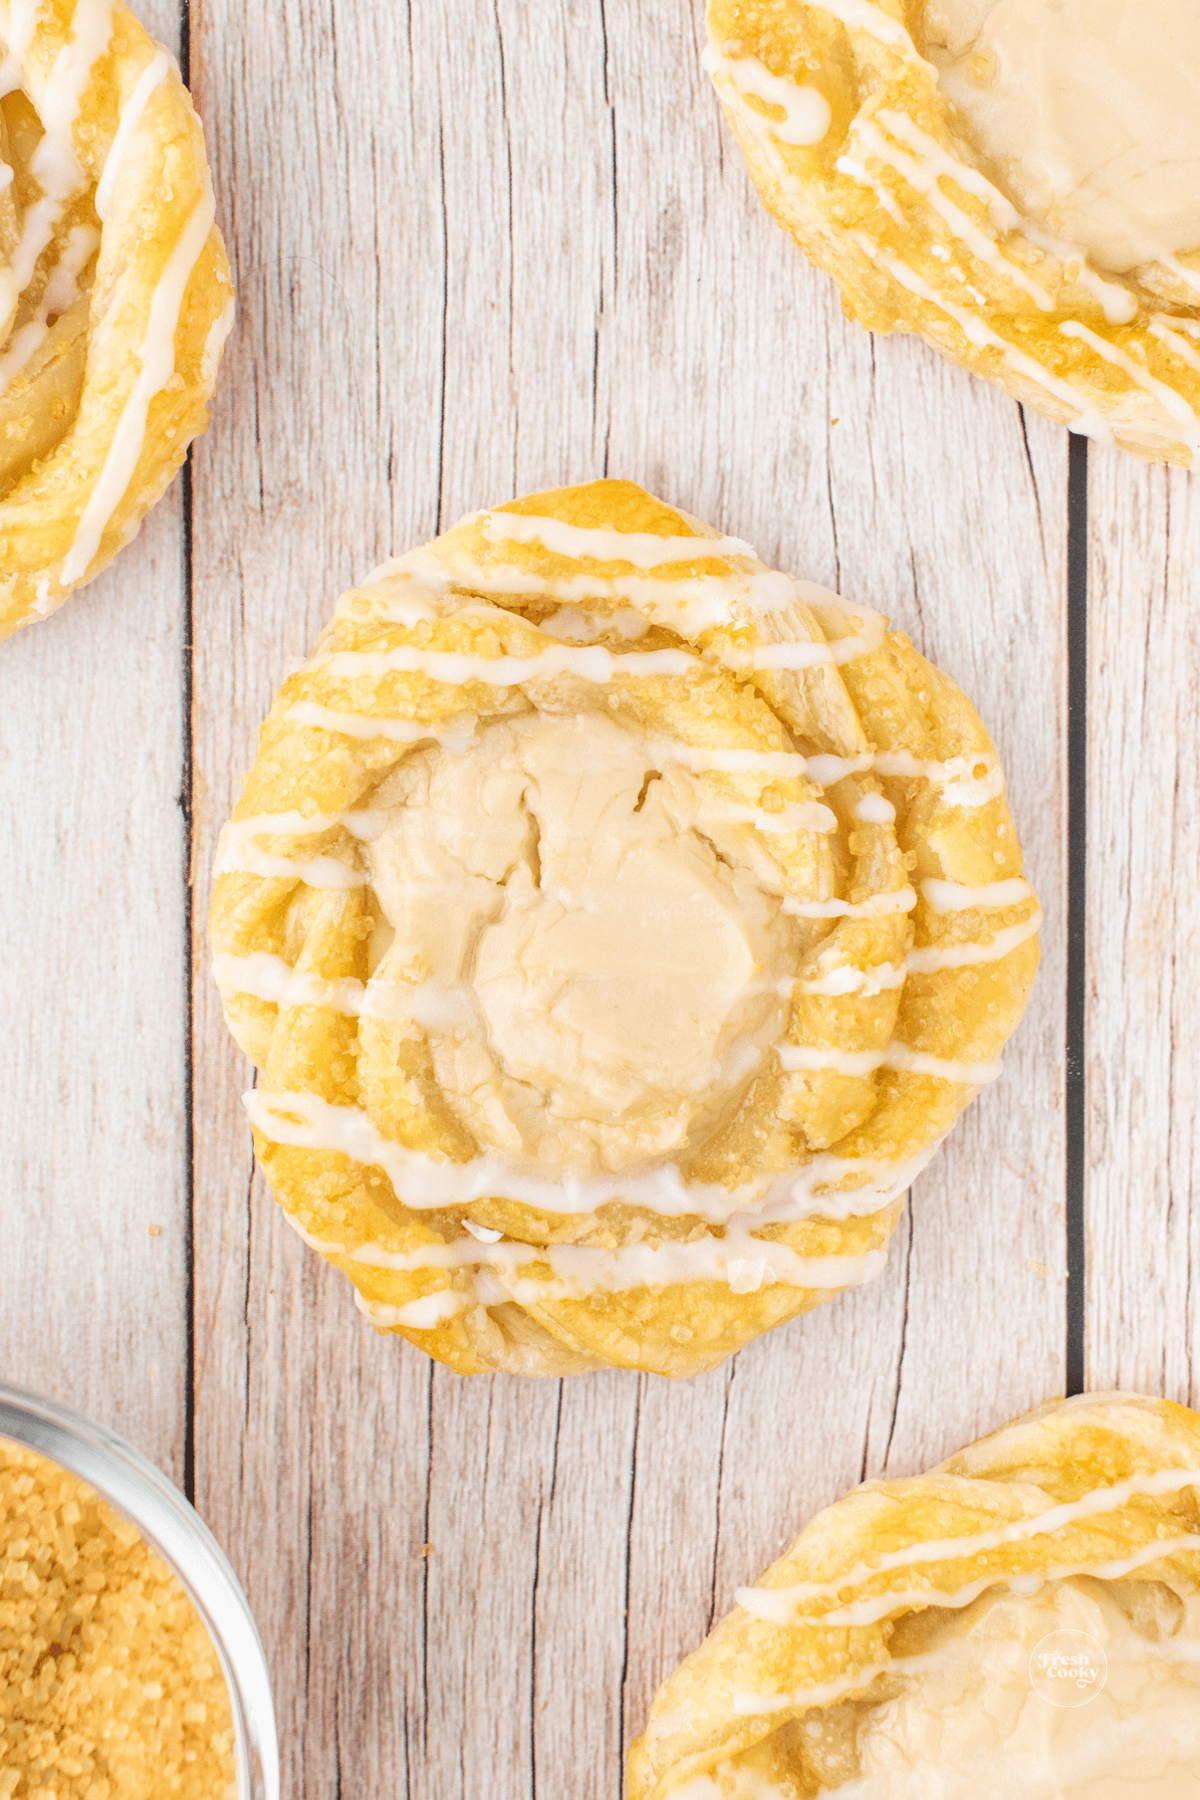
(481,256)
(312,1436)
(92,863)
(726,360)
(1143,1051)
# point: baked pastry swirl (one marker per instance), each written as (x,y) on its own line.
(618,924)
(1021,1623)
(115,298)
(1016,180)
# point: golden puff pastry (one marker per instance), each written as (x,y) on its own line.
(1022,1623)
(115,298)
(618,925)
(1016,180)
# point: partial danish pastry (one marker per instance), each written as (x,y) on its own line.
(115,298)
(1022,1623)
(1016,180)
(618,925)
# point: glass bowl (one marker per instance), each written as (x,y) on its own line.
(134,1488)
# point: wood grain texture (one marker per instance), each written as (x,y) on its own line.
(93,1151)
(92,989)
(480,252)
(480,255)
(1143,1215)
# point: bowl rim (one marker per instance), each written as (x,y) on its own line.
(168,1522)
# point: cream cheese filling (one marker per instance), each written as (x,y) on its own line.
(1086,112)
(964,1720)
(973,1725)
(597,973)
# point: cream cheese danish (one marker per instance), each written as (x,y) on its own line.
(1021,1623)
(618,925)
(115,297)
(1018,181)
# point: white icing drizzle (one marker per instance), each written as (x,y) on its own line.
(131,113)
(22,22)
(846,165)
(61,293)
(770,1603)
(239,853)
(851,980)
(897,1056)
(272,978)
(572,624)
(745,1263)
(954,896)
(54,163)
(414,605)
(803,1057)
(424,1314)
(818,1693)
(980,334)
(923,172)
(859,1676)
(688,603)
(825,771)
(930,958)
(643,549)
(918,1062)
(807,113)
(870,18)
(799,655)
(214,340)
(62,96)
(399,731)
(314,871)
(898,900)
(453,667)
(801,815)
(1161,326)
(425,1182)
(730,762)
(1116,301)
(1168,398)
(868,1612)
(961,788)
(873,809)
(955,775)
(157,358)
(939,159)
(1190,277)
(361,822)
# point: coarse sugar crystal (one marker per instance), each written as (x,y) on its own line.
(110,1688)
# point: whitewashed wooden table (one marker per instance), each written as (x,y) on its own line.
(482,250)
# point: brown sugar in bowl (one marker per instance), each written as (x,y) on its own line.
(130,1668)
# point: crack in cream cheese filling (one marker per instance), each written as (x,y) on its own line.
(608,999)
(1086,112)
(609,981)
